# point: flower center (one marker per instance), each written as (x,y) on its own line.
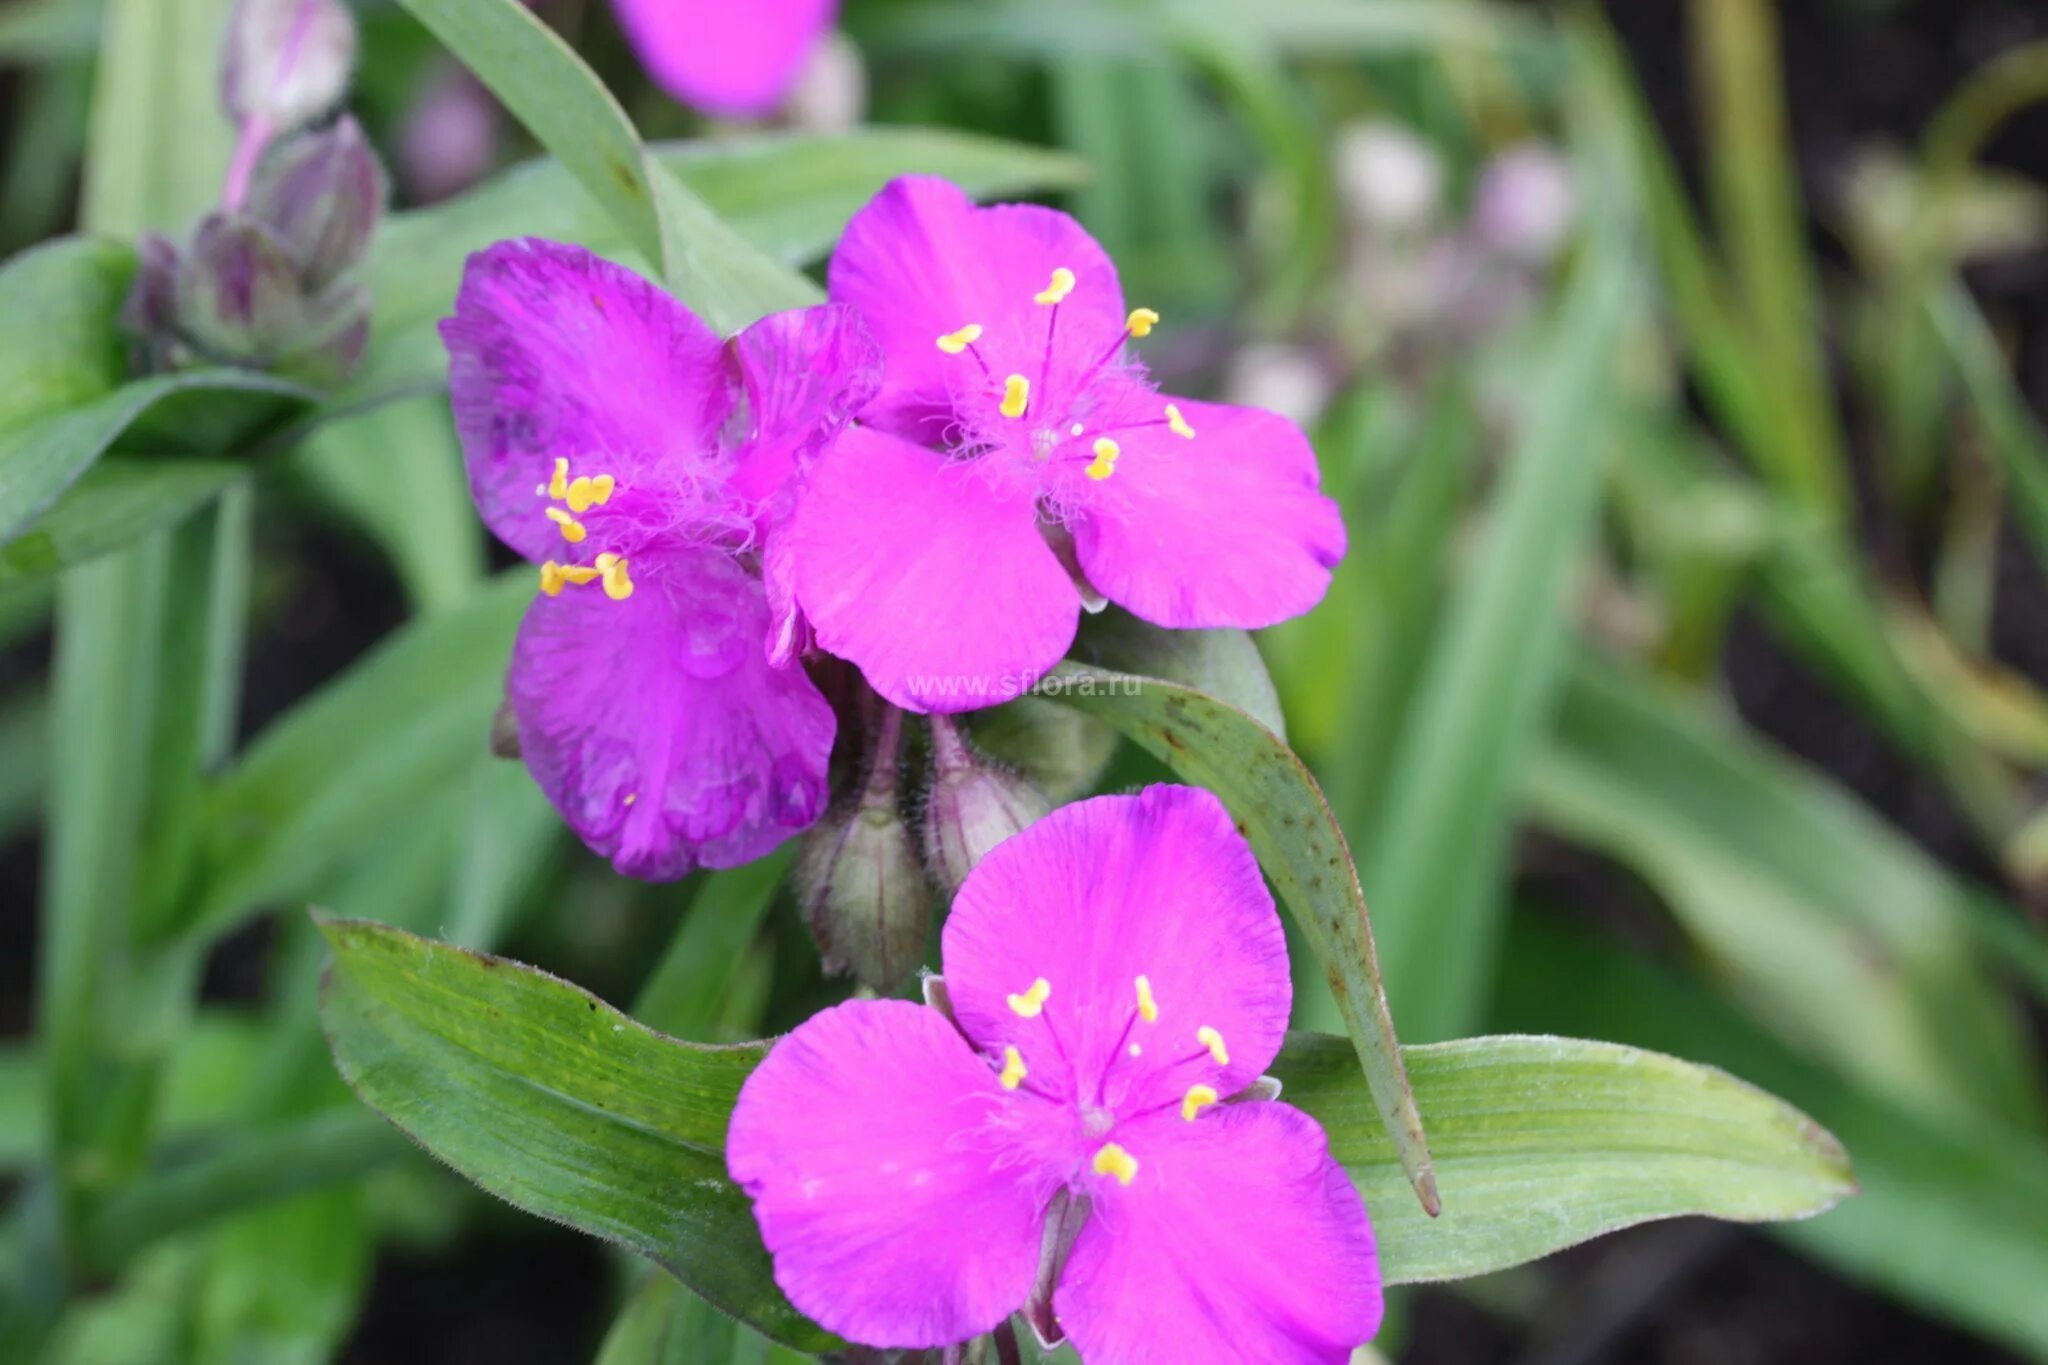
(1046,420)
(1097,1118)
(577,496)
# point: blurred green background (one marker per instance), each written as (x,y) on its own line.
(1681,369)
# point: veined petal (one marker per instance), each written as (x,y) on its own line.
(872,1141)
(1238,1239)
(657,725)
(922,261)
(733,60)
(929,578)
(806,373)
(556,354)
(1091,899)
(1226,528)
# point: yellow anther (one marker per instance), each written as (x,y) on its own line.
(1106,453)
(1030,1004)
(1211,1039)
(1178,424)
(558,487)
(1148,1008)
(1141,322)
(617,584)
(1013,1069)
(572,529)
(1114,1160)
(584,494)
(1061,286)
(953,343)
(1198,1098)
(1016,393)
(554,577)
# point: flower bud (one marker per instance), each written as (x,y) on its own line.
(1063,751)
(150,312)
(861,885)
(238,291)
(974,805)
(286,62)
(321,194)
(831,96)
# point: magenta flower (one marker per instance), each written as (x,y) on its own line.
(735,58)
(649,469)
(954,576)
(1118,975)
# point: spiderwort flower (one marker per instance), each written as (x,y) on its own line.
(1116,974)
(954,577)
(648,468)
(734,60)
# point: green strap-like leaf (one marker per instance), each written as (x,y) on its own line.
(1542,1143)
(549,1098)
(552,1100)
(559,100)
(115,503)
(1276,801)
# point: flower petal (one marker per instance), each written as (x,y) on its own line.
(556,353)
(658,727)
(928,577)
(870,1141)
(1239,1238)
(1159,885)
(922,261)
(733,60)
(806,374)
(1226,529)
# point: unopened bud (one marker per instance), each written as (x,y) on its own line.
(321,194)
(1062,750)
(238,291)
(862,887)
(975,804)
(287,62)
(150,312)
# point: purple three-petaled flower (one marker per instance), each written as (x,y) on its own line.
(1018,463)
(736,58)
(649,469)
(1077,1139)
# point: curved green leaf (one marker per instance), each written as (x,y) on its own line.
(555,1102)
(1542,1143)
(1281,810)
(116,502)
(559,100)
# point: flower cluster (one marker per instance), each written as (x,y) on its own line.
(709,518)
(929,478)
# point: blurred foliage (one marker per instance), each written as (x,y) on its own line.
(1588,482)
